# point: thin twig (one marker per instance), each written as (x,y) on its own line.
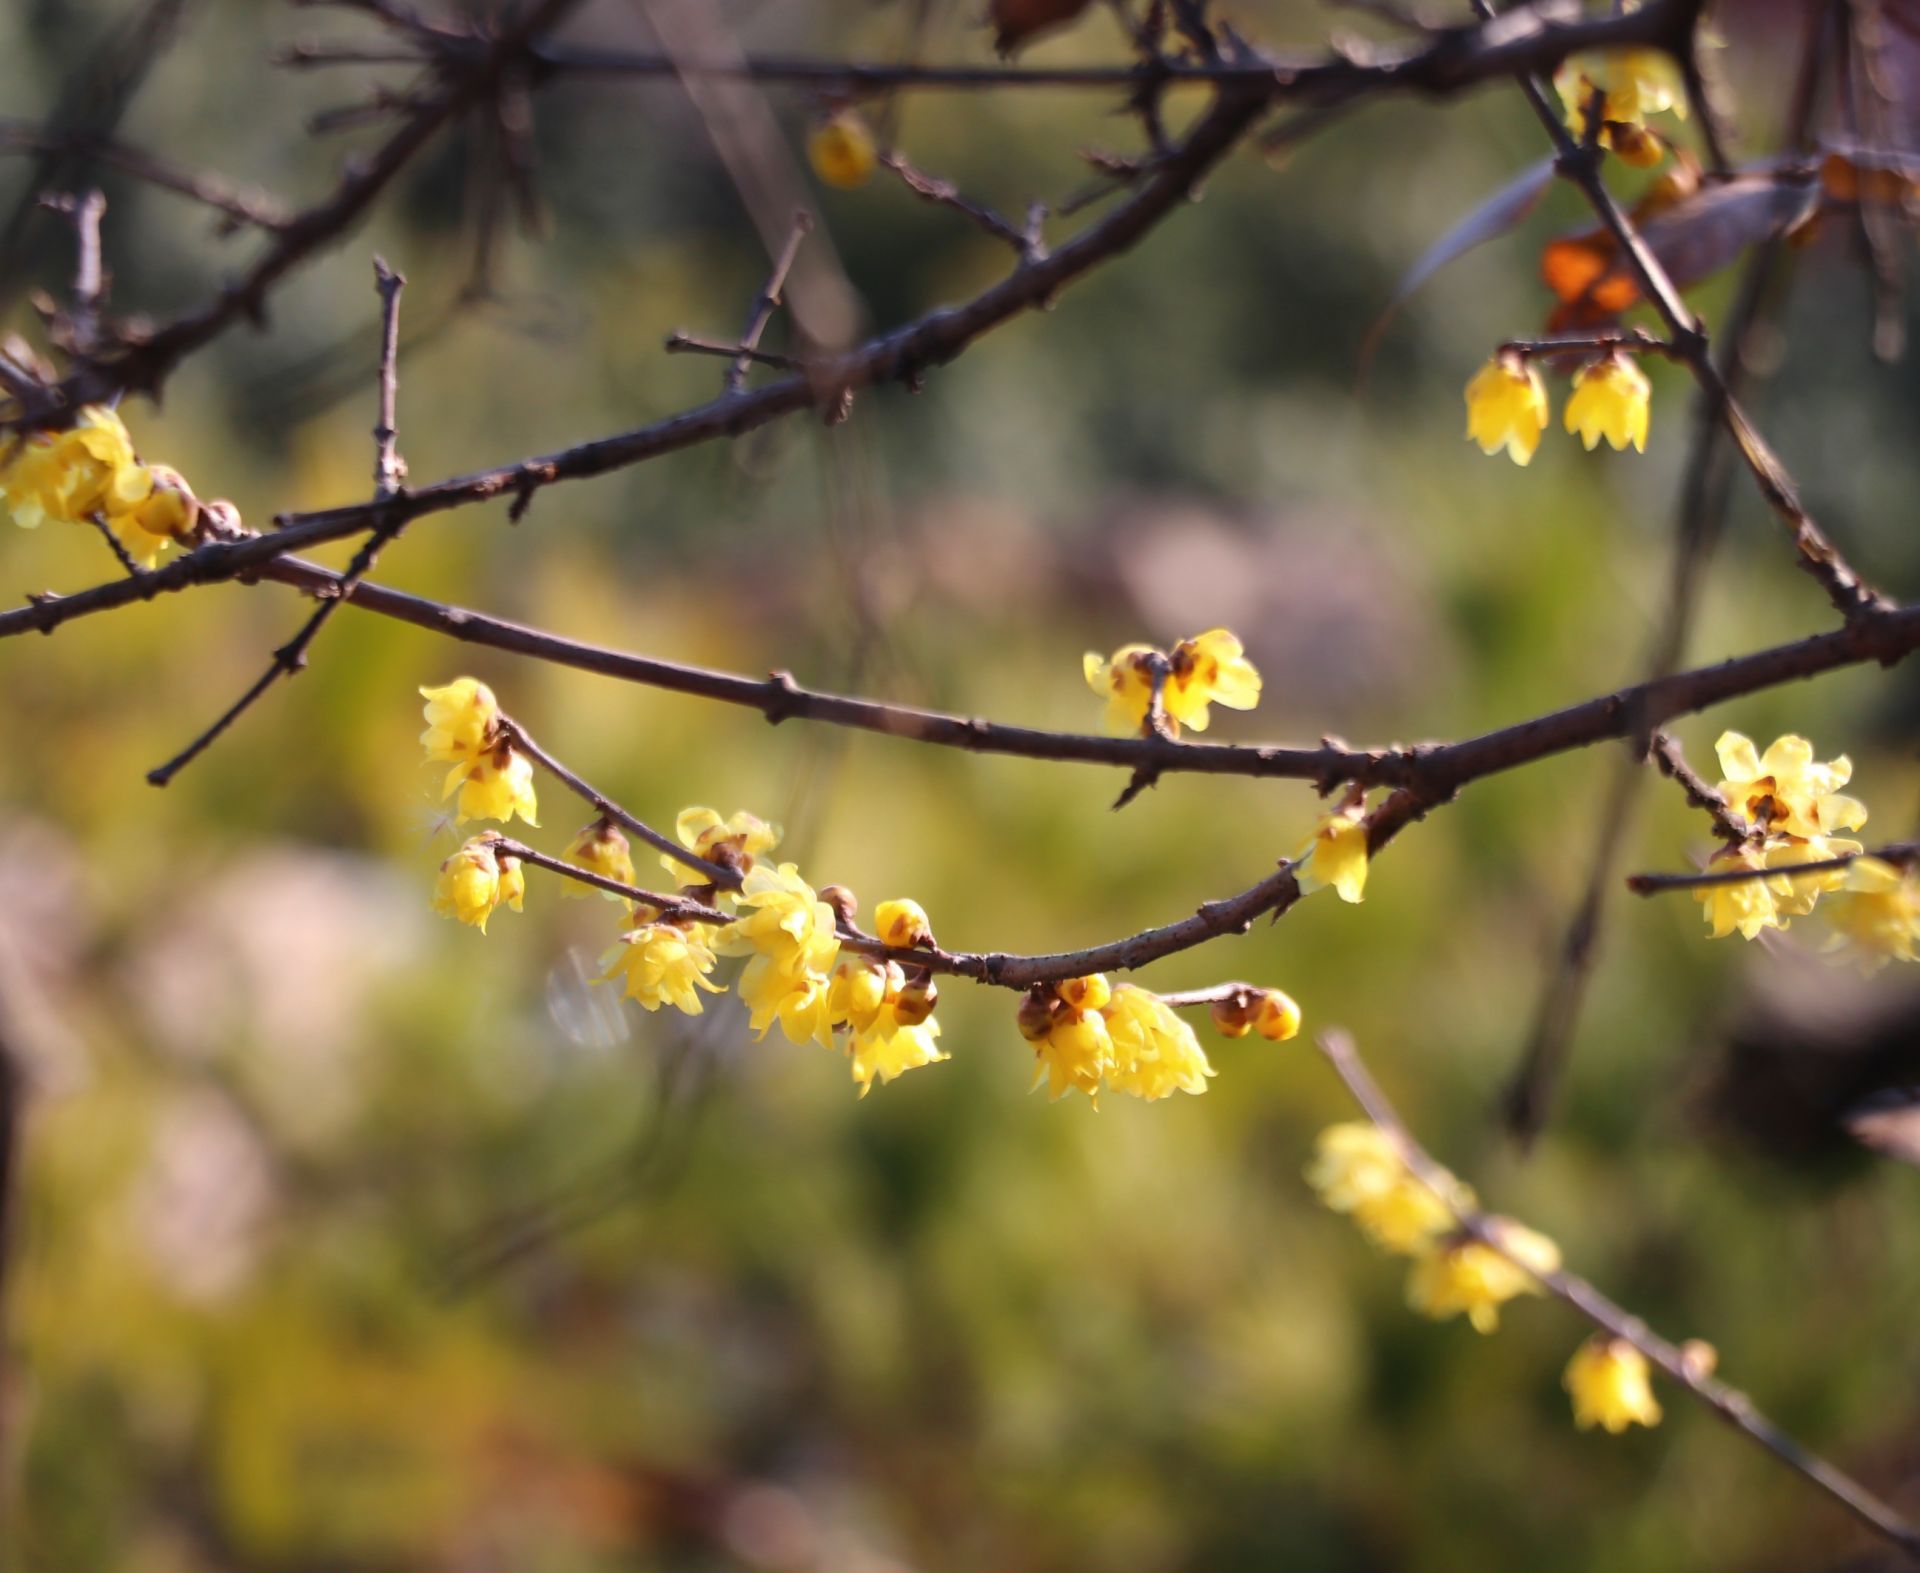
(388,469)
(117,546)
(1672,763)
(713,873)
(238,205)
(761,312)
(1901,854)
(680,343)
(1728,1403)
(944,193)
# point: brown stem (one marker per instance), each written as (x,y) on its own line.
(713,873)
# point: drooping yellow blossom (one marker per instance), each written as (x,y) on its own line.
(1608,1381)
(663,964)
(841,151)
(1069,1035)
(1795,895)
(70,475)
(734,843)
(601,849)
(902,924)
(1743,904)
(1471,1277)
(1611,399)
(889,1022)
(1785,791)
(1208,669)
(1269,1012)
(1876,914)
(497,785)
(788,932)
(461,720)
(1637,82)
(162,514)
(1358,1169)
(1337,855)
(1155,1053)
(475,881)
(1507,407)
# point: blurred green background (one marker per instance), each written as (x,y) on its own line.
(349,1239)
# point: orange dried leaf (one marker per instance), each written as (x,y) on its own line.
(1017,21)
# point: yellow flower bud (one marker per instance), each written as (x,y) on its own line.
(902,924)
(841,151)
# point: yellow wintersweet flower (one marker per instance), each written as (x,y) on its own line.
(1607,1378)
(1472,1277)
(1126,679)
(1507,407)
(841,151)
(1611,399)
(1876,915)
(1358,1169)
(733,843)
(475,881)
(1795,895)
(461,720)
(1637,82)
(663,964)
(601,849)
(1154,1052)
(1208,669)
(1069,1035)
(1269,1012)
(789,933)
(149,508)
(1744,904)
(497,785)
(1337,855)
(68,475)
(1785,791)
(889,1022)
(902,924)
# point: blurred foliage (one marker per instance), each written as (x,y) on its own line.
(351,1240)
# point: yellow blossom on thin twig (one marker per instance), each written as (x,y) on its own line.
(1785,791)
(1154,1052)
(736,843)
(663,964)
(1607,1379)
(1610,399)
(603,850)
(1876,915)
(888,1021)
(1744,904)
(1337,855)
(1208,669)
(476,881)
(1636,82)
(1358,1169)
(1473,1278)
(1507,407)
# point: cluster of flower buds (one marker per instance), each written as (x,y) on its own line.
(1507,404)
